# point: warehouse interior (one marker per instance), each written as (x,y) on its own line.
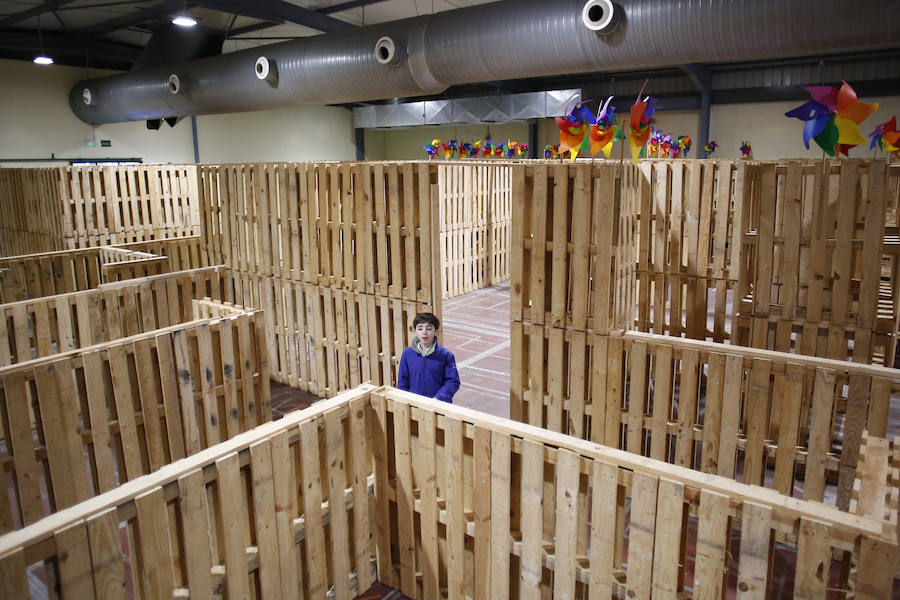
(678,370)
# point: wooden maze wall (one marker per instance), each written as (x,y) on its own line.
(476,219)
(717,251)
(382,485)
(340,257)
(66,208)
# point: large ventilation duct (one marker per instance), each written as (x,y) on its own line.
(501,40)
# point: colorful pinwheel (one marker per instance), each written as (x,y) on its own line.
(665,145)
(887,137)
(432,148)
(684,142)
(653,144)
(450,149)
(487,150)
(551,152)
(746,150)
(710,148)
(522,149)
(604,131)
(832,118)
(639,125)
(573,130)
(509,151)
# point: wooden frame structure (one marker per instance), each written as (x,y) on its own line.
(476,219)
(66,208)
(81,422)
(378,484)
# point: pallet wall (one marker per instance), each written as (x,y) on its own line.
(340,256)
(67,208)
(717,251)
(82,422)
(476,219)
(54,324)
(448,497)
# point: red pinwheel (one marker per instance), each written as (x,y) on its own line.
(887,137)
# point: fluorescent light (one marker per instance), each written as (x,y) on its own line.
(184,21)
(43,60)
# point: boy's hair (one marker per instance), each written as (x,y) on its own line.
(427,318)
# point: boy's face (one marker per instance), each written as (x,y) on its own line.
(425,332)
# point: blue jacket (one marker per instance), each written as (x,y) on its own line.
(433,376)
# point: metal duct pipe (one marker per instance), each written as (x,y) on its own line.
(501,40)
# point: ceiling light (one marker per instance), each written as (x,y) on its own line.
(184,21)
(43,60)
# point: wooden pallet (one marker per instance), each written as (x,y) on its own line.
(718,408)
(59,208)
(54,324)
(476,221)
(82,422)
(453,502)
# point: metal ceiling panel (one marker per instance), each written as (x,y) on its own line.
(364,117)
(556,101)
(477,110)
(525,106)
(438,112)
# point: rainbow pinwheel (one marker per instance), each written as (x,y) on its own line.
(510,150)
(710,148)
(432,148)
(653,144)
(886,137)
(746,150)
(465,150)
(605,130)
(639,125)
(573,130)
(487,150)
(450,149)
(551,151)
(684,142)
(522,149)
(665,145)
(832,118)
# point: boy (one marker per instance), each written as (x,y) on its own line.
(426,367)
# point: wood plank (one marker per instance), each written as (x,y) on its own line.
(97,402)
(312,500)
(20,439)
(501,486)
(378,434)
(667,542)
(789,430)
(196,527)
(362,517)
(756,544)
(481,491)
(568,473)
(122,391)
(456,519)
(604,486)
(335,456)
(820,430)
(559,287)
(712,541)
(155,569)
(661,402)
(285,497)
(106,555)
(13,574)
(74,562)
(756,411)
(813,559)
(642,529)
(531,557)
(237,581)
(267,543)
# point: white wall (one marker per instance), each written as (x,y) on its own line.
(36,121)
(306,133)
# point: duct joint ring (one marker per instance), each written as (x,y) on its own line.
(174,84)
(262,67)
(599,16)
(86,96)
(387,52)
